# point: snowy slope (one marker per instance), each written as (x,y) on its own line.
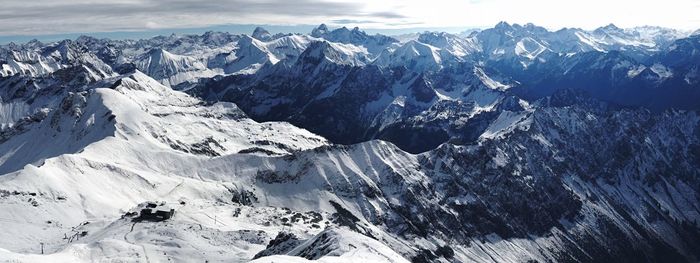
(372,181)
(337,245)
(98,143)
(171,69)
(414,55)
(36,59)
(457,46)
(132,162)
(374,44)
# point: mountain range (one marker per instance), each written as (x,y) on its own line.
(508,144)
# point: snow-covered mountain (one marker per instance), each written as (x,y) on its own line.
(414,55)
(261,34)
(171,69)
(373,43)
(193,57)
(457,46)
(37,59)
(510,144)
(530,41)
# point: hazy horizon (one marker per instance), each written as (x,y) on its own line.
(234,29)
(248,29)
(57,19)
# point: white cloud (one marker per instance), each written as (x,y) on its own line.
(74,16)
(553,14)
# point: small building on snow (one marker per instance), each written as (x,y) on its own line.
(153,211)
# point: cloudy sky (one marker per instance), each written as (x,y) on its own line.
(42,17)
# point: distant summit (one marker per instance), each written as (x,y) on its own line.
(261,34)
(319,31)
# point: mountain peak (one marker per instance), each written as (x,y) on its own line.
(317,49)
(320,30)
(610,27)
(339,54)
(321,49)
(345,30)
(261,34)
(428,35)
(35,43)
(437,39)
(159,52)
(503,25)
(82,39)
